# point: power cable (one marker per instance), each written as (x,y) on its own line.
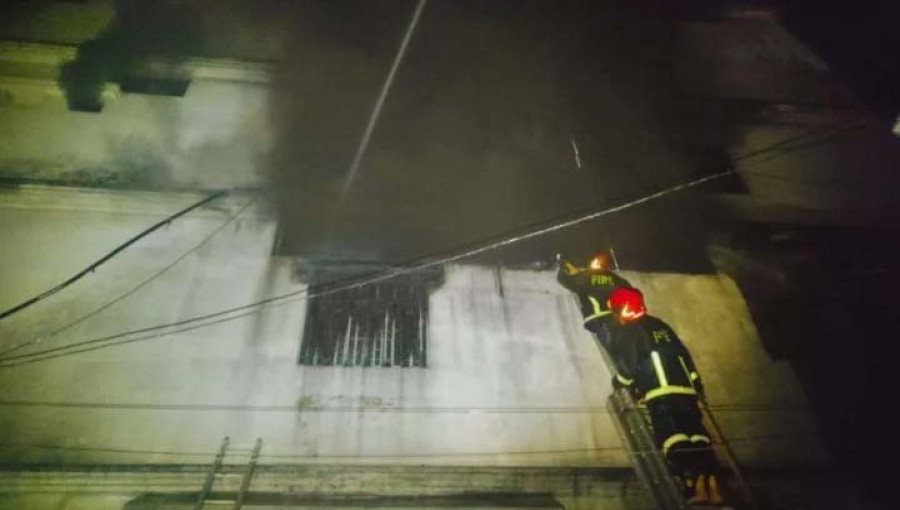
(793,143)
(829,138)
(756,439)
(139,286)
(91,268)
(226,315)
(379,103)
(111,450)
(369,409)
(432,455)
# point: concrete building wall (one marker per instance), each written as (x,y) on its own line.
(844,163)
(63,22)
(217,135)
(329,486)
(757,402)
(805,149)
(512,378)
(751,57)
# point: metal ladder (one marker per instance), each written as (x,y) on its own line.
(215,468)
(648,461)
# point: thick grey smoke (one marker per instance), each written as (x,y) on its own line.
(477,134)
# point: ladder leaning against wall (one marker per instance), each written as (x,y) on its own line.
(633,423)
(205,496)
(636,432)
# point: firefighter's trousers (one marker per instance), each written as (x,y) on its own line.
(678,428)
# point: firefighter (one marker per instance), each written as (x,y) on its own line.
(593,285)
(653,363)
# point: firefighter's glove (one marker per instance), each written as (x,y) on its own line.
(570,268)
(617,384)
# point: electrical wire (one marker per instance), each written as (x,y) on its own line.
(137,287)
(302,294)
(428,455)
(379,103)
(619,448)
(226,315)
(112,450)
(311,409)
(370,409)
(815,142)
(91,268)
(793,143)
(842,183)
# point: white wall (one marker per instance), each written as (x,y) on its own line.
(757,402)
(512,379)
(505,376)
(71,22)
(217,135)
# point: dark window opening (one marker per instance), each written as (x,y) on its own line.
(78,103)
(383,324)
(154,86)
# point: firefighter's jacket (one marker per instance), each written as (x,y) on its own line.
(593,289)
(651,360)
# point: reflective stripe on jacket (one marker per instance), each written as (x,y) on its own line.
(649,355)
(593,289)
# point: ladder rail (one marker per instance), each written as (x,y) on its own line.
(725,451)
(647,460)
(248,474)
(637,437)
(211,475)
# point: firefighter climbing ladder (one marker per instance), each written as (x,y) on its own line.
(649,463)
(637,436)
(215,469)
(647,460)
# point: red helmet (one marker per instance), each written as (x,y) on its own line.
(627,304)
(599,262)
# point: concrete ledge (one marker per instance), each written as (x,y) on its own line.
(53,56)
(323,480)
(144,203)
(281,501)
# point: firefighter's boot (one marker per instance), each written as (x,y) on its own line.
(701,496)
(688,486)
(715,497)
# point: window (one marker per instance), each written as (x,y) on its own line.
(154,86)
(383,324)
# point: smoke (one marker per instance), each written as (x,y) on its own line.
(140,30)
(476,135)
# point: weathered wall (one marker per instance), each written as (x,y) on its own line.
(845,165)
(509,381)
(757,402)
(512,379)
(217,135)
(330,486)
(63,22)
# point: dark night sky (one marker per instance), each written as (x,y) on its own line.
(859,41)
